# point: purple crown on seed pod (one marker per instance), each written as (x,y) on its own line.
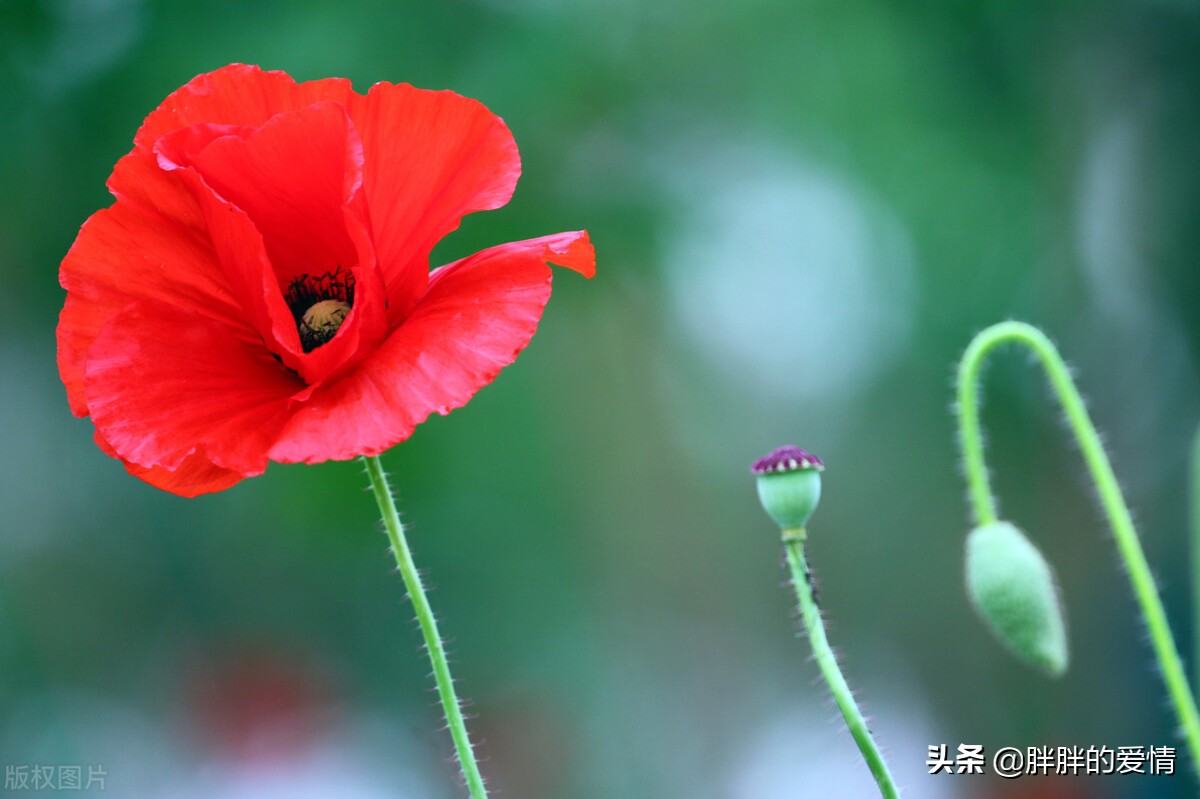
(787,459)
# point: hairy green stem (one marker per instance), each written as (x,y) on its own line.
(793,541)
(1194,520)
(983,502)
(433,641)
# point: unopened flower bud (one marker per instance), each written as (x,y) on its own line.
(1013,588)
(789,485)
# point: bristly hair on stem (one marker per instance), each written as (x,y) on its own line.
(827,663)
(984,505)
(1194,523)
(451,705)
(789,489)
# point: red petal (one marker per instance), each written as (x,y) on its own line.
(195,476)
(239,95)
(242,256)
(163,385)
(293,177)
(477,315)
(131,252)
(281,201)
(430,159)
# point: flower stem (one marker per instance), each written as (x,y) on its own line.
(1194,512)
(793,542)
(433,641)
(1119,519)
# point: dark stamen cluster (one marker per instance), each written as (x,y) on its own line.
(306,291)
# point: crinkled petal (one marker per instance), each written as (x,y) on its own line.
(163,385)
(431,157)
(477,315)
(293,177)
(176,337)
(239,94)
(137,179)
(242,256)
(280,202)
(131,252)
(195,476)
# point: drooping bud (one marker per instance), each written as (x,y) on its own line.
(1014,590)
(789,485)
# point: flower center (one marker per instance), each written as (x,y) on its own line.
(321,322)
(320,305)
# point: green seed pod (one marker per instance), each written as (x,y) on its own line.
(789,486)
(1013,588)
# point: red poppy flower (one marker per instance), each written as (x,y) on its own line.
(260,289)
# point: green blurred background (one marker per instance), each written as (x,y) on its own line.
(802,212)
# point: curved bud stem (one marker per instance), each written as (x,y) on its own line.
(793,541)
(983,502)
(433,641)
